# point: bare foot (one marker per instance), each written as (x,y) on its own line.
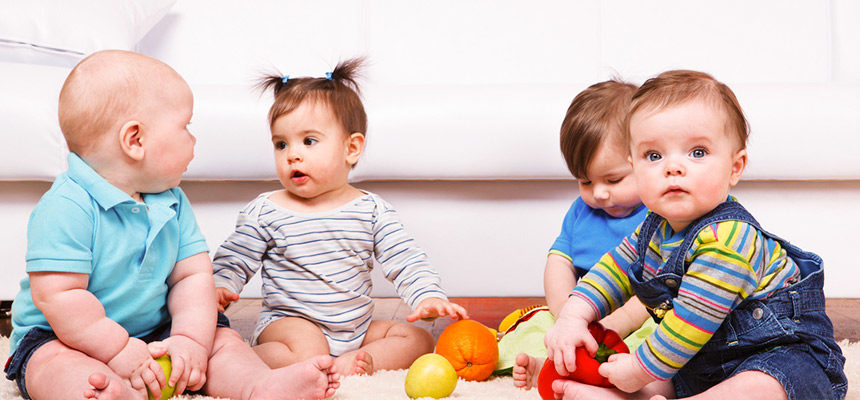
(354,363)
(526,371)
(105,388)
(574,390)
(310,379)
(363,363)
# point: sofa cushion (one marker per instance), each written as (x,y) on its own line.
(62,32)
(454,132)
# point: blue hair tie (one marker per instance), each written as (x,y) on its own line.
(328,75)
(285,78)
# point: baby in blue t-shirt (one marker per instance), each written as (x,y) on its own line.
(607,210)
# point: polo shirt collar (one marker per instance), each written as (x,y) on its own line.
(102,191)
(108,195)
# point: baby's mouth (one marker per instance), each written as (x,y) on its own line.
(672,190)
(298,176)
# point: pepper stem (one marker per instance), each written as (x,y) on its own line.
(603,353)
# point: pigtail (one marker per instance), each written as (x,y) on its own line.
(273,82)
(339,89)
(347,73)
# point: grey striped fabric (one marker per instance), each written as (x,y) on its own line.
(317,266)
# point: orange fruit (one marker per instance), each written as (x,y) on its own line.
(471,349)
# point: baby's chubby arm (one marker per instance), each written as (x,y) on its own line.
(559,279)
(79,321)
(192,306)
(569,332)
(434,307)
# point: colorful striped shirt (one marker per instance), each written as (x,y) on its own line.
(728,262)
(317,266)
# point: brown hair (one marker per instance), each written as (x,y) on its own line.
(340,92)
(680,86)
(593,114)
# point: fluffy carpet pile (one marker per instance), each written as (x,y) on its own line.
(385,385)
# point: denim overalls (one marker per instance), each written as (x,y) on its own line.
(786,335)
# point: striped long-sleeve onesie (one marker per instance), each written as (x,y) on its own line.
(317,266)
(728,262)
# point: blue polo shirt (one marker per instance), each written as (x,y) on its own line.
(587,234)
(83,224)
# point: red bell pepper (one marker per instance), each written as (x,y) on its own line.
(608,343)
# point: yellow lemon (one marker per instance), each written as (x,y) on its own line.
(167,391)
(431,375)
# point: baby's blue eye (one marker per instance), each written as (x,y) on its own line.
(280,145)
(653,156)
(310,141)
(698,153)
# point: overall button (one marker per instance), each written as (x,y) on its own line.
(672,283)
(757,313)
(135,210)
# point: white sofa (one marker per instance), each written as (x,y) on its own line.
(464,101)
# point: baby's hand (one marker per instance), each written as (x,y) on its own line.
(225,297)
(624,372)
(135,363)
(434,307)
(188,361)
(563,338)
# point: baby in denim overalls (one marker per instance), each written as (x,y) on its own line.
(741,311)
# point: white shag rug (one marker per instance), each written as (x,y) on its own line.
(385,385)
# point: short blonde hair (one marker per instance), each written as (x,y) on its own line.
(679,86)
(100,92)
(593,114)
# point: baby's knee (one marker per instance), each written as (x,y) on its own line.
(422,340)
(226,337)
(309,349)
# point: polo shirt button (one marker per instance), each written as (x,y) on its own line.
(672,283)
(135,210)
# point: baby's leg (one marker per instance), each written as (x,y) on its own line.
(387,345)
(290,340)
(56,371)
(742,385)
(236,372)
(526,371)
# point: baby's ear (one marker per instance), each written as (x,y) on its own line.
(354,147)
(739,163)
(131,140)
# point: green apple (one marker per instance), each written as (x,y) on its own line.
(167,391)
(431,375)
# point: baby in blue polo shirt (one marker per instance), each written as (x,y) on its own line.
(118,271)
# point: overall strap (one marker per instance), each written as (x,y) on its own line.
(646,232)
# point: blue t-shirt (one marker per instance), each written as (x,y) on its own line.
(587,233)
(83,224)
